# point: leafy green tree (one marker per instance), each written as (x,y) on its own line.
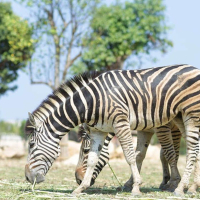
(16,46)
(126,28)
(58,26)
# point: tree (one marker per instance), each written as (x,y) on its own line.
(121,30)
(16,46)
(58,26)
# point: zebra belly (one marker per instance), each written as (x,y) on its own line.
(141,122)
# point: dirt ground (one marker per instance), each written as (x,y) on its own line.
(60,181)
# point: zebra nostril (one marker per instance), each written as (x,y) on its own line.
(92,182)
(78,181)
(27,179)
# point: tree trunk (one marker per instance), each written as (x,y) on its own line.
(118,64)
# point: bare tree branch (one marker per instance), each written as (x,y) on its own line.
(57,47)
(38,82)
(44,83)
(59,26)
(69,64)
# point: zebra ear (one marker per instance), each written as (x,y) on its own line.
(32,119)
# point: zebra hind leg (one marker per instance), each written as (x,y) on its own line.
(165,167)
(165,138)
(193,188)
(96,144)
(176,137)
(192,142)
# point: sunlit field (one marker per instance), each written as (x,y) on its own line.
(60,182)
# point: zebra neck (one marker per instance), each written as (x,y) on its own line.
(61,118)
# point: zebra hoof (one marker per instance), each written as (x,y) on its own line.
(124,189)
(169,188)
(178,193)
(136,191)
(191,192)
(76,193)
(136,194)
(161,187)
(164,187)
(119,189)
(127,188)
(171,185)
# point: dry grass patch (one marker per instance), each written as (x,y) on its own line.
(60,182)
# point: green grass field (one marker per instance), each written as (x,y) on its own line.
(60,182)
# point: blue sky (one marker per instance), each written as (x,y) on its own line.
(183,16)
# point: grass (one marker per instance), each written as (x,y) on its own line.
(60,182)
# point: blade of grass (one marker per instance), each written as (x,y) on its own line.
(114,174)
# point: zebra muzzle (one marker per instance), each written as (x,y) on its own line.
(31,175)
(79,175)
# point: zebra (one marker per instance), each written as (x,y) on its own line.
(83,155)
(143,141)
(116,101)
(142,145)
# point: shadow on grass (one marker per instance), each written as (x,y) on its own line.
(150,189)
(96,190)
(49,190)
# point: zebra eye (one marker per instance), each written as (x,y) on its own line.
(31,144)
(86,151)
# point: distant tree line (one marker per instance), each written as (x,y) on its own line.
(13,128)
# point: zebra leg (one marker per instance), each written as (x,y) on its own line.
(165,138)
(192,137)
(96,144)
(165,167)
(176,137)
(125,138)
(196,184)
(143,140)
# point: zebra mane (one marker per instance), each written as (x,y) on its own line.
(72,85)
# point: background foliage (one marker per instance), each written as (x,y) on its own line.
(58,27)
(16,46)
(121,30)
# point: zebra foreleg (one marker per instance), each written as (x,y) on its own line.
(96,144)
(143,140)
(125,139)
(192,142)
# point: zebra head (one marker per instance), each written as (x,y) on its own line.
(43,150)
(83,155)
